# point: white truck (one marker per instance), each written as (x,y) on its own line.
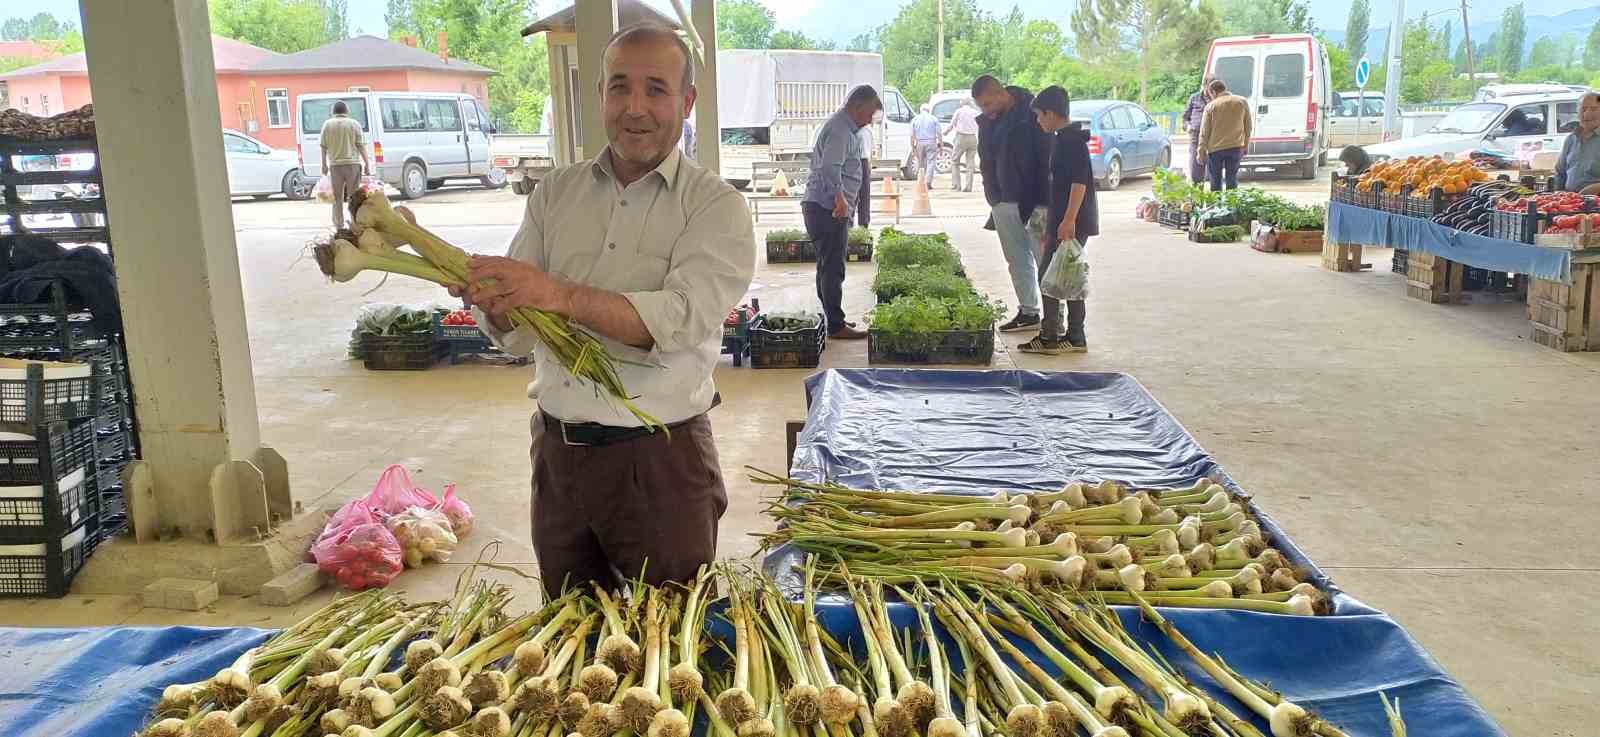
(772,103)
(525,157)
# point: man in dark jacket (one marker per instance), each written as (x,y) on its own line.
(1192,114)
(1014,158)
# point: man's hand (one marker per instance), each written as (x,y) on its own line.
(841,207)
(498,285)
(1067,231)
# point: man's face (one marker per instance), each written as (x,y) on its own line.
(994,102)
(1049,122)
(862,115)
(645,103)
(1589,112)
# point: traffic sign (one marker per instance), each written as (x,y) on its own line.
(1363,72)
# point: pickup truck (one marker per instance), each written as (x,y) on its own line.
(525,157)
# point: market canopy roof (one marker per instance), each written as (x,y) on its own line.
(629,12)
(365,53)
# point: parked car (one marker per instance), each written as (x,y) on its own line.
(1285,78)
(1506,124)
(418,140)
(1357,121)
(1123,140)
(1494,91)
(258,170)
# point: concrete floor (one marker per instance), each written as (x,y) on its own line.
(1427,456)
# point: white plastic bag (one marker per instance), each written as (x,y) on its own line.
(323,190)
(423,534)
(1067,277)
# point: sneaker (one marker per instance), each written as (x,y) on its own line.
(1023,321)
(1043,347)
(1069,345)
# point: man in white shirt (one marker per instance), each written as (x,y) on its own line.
(965,124)
(344,157)
(647,251)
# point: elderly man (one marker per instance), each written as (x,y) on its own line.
(344,157)
(647,251)
(964,123)
(1014,158)
(1578,168)
(832,192)
(925,145)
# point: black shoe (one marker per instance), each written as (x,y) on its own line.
(1023,321)
(1071,344)
(1043,347)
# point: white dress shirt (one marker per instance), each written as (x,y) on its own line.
(678,243)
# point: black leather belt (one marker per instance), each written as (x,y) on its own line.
(591,434)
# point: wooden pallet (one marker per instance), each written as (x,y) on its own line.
(1434,279)
(1343,257)
(1566,316)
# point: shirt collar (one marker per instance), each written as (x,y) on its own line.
(667,170)
(845,116)
(1586,136)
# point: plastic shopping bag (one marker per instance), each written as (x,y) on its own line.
(354,513)
(423,534)
(394,492)
(362,557)
(324,190)
(455,508)
(1067,277)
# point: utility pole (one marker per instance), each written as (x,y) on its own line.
(1391,81)
(1466,37)
(939,52)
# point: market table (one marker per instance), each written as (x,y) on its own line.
(1563,298)
(980,431)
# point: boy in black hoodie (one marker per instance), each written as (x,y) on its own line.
(1071,214)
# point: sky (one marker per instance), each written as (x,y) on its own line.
(841,20)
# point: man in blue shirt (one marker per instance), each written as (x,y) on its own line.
(925,144)
(830,201)
(1578,169)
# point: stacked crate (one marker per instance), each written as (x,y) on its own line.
(49,521)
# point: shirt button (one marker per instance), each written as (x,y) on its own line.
(624,203)
(611,246)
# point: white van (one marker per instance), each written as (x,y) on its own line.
(1285,78)
(417,140)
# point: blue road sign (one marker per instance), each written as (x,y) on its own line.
(1363,72)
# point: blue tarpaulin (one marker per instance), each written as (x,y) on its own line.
(989,430)
(1349,223)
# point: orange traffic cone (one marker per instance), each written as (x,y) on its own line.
(920,206)
(887,206)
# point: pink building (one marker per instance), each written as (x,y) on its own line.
(256,88)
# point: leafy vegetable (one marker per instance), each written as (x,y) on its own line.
(902,249)
(787,235)
(1222,233)
(912,323)
(920,281)
(859,236)
(789,321)
(1289,216)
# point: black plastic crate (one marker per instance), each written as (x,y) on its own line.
(1426,207)
(1172,216)
(45,566)
(112,502)
(111,525)
(795,251)
(858,252)
(413,352)
(974,347)
(786,348)
(49,493)
(86,205)
(47,326)
(35,399)
(1392,201)
(1399,260)
(1514,226)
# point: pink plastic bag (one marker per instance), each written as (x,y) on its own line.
(395,491)
(361,557)
(354,512)
(455,508)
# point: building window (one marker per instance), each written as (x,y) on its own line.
(24,104)
(44,104)
(278,108)
(360,88)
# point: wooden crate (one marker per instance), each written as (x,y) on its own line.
(1344,257)
(1564,316)
(1433,279)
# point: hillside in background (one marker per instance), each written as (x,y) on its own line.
(1577,21)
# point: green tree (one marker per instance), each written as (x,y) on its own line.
(42,26)
(1446,38)
(1139,37)
(1513,34)
(1461,58)
(1591,48)
(1356,27)
(338,19)
(1248,17)
(1425,71)
(486,32)
(744,24)
(797,40)
(1551,51)
(908,47)
(862,42)
(285,26)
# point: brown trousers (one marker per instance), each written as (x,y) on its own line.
(344,178)
(607,514)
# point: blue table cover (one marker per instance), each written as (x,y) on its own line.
(1349,223)
(982,431)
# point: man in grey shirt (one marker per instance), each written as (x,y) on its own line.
(830,201)
(1578,168)
(646,251)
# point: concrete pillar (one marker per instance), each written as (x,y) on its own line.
(155,98)
(597,22)
(707,126)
